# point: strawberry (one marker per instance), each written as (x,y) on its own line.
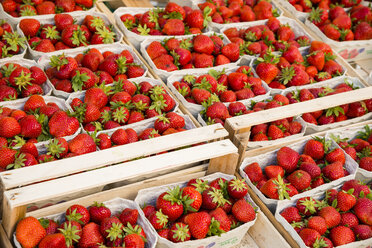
(231,51)
(111,229)
(314,148)
(198,224)
(254,172)
(213,198)
(274,132)
(217,110)
(309,236)
(243,211)
(362,232)
(345,201)
(311,168)
(62,125)
(9,127)
(155,50)
(82,144)
(78,213)
(179,232)
(90,236)
(203,60)
(203,44)
(287,158)
(65,66)
(169,202)
(349,219)
(275,188)
(363,31)
(291,214)
(306,206)
(98,212)
(341,235)
(333,171)
(267,70)
(336,155)
(331,216)
(49,225)
(195,19)
(29,27)
(158,220)
(363,209)
(273,171)
(317,223)
(237,188)
(29,232)
(129,216)
(53,240)
(300,179)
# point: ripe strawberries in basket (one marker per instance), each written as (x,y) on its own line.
(84,71)
(359,148)
(94,226)
(201,51)
(238,10)
(220,86)
(339,217)
(17,81)
(126,103)
(307,6)
(172,20)
(294,173)
(31,8)
(200,209)
(257,39)
(339,25)
(65,33)
(292,68)
(10,41)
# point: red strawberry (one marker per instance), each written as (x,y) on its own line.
(309,236)
(291,214)
(90,236)
(78,213)
(363,209)
(237,189)
(198,224)
(98,212)
(170,204)
(243,211)
(317,223)
(82,144)
(179,232)
(331,216)
(287,158)
(203,44)
(314,148)
(341,235)
(254,172)
(333,171)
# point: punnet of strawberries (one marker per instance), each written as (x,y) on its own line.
(125,103)
(294,171)
(336,217)
(18,8)
(339,113)
(256,40)
(66,33)
(199,209)
(293,68)
(11,42)
(358,148)
(340,25)
(18,81)
(59,147)
(91,68)
(172,20)
(95,226)
(231,11)
(307,6)
(201,51)
(224,86)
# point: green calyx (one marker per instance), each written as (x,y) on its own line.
(7,70)
(71,234)
(122,65)
(365,134)
(335,111)
(217,197)
(158,103)
(286,75)
(238,184)
(181,233)
(120,115)
(27,11)
(215,228)
(57,61)
(161,218)
(107,36)
(78,37)
(13,40)
(97,22)
(200,185)
(18,162)
(309,204)
(78,80)
(282,188)
(115,231)
(174,196)
(156,91)
(143,30)
(74,216)
(51,33)
(137,229)
(54,148)
(23,80)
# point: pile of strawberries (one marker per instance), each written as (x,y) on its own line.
(294,69)
(173,20)
(238,10)
(84,71)
(307,6)
(126,103)
(84,227)
(18,8)
(59,148)
(65,33)
(340,217)
(359,148)
(201,51)
(339,25)
(258,39)
(17,81)
(10,42)
(294,173)
(220,86)
(200,209)
(339,113)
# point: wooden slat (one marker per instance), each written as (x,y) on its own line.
(244,121)
(37,173)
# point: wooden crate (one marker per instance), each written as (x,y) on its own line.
(260,203)
(220,154)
